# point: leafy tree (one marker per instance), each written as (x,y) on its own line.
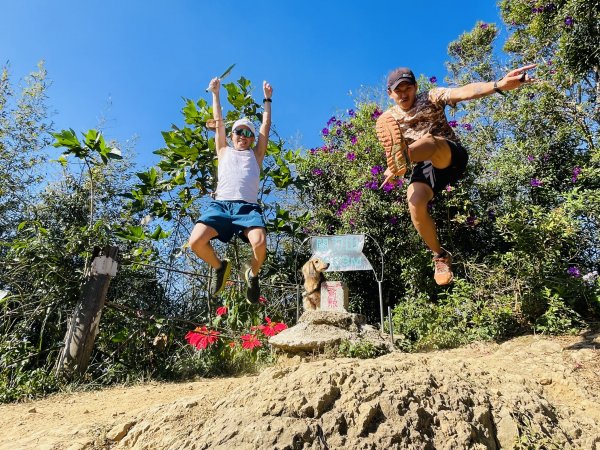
(24,132)
(524,222)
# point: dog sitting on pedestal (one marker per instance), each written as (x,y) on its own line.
(312,271)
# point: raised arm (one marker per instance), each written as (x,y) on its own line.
(512,80)
(265,126)
(220,135)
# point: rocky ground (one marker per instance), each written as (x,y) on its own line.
(537,390)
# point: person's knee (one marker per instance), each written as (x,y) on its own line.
(417,204)
(200,237)
(258,239)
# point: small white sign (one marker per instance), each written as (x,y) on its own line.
(334,296)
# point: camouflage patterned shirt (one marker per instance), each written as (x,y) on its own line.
(426,116)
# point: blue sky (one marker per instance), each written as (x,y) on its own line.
(127,64)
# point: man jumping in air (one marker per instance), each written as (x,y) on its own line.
(415,130)
(235,210)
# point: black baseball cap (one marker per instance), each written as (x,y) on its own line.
(400,75)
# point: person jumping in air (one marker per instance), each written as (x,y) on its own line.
(235,210)
(415,130)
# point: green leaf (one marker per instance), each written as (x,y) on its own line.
(120,336)
(66,138)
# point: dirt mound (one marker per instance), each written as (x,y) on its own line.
(483,397)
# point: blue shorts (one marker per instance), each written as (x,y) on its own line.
(230,218)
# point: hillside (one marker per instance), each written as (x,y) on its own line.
(545,390)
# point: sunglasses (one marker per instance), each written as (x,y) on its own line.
(244,132)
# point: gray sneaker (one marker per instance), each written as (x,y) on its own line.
(252,286)
(219,278)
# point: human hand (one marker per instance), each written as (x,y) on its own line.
(214,85)
(267,89)
(516,78)
(389,176)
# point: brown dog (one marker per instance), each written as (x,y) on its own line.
(312,271)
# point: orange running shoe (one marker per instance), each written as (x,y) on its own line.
(443,268)
(391,138)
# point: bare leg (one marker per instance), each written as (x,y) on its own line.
(430,148)
(418,196)
(200,244)
(258,240)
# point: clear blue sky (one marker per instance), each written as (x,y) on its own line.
(130,62)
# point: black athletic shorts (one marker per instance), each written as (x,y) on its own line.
(438,179)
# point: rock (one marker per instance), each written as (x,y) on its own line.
(119,431)
(319,329)
(306,337)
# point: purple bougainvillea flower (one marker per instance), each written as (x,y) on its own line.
(530,158)
(576,172)
(471,220)
(332,120)
(393,220)
(535,182)
(387,187)
(568,21)
(574,272)
(333,202)
(483,26)
(325,131)
(448,188)
(317,172)
(467,126)
(338,131)
(351,112)
(371,185)
(376,170)
(452,123)
(350,156)
(313,151)
(433,80)
(354,140)
(376,114)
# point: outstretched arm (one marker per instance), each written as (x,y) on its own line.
(220,135)
(512,80)
(265,127)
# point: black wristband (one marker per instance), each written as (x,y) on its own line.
(267,100)
(497,89)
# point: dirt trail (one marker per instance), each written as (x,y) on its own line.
(553,382)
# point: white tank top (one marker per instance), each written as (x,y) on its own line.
(238,176)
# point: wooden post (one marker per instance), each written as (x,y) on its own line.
(80,337)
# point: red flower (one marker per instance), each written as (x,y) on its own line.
(231,344)
(272,328)
(249,341)
(222,310)
(262,300)
(202,337)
